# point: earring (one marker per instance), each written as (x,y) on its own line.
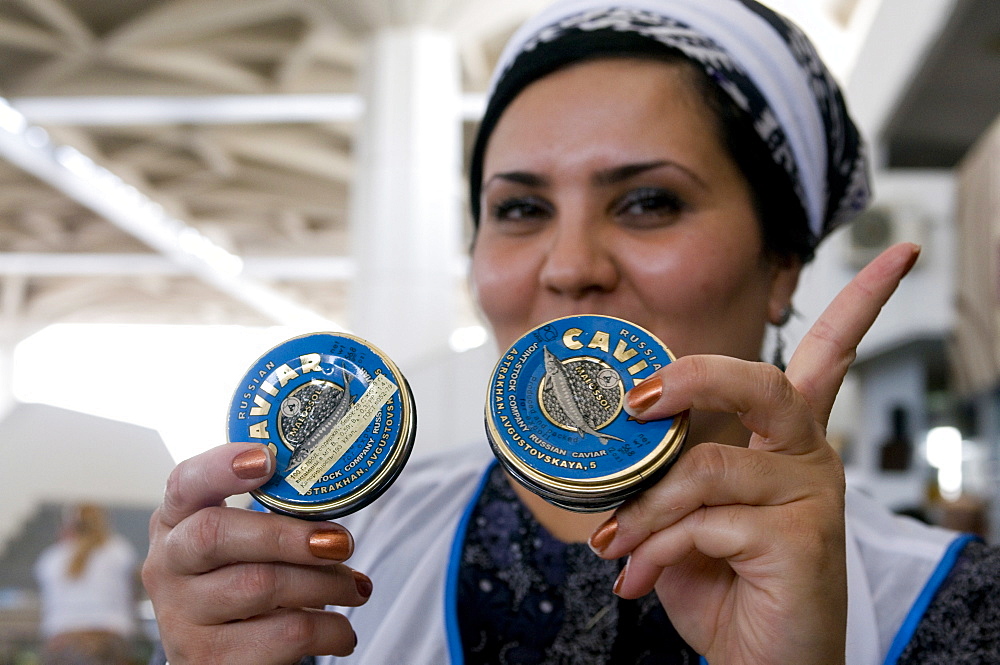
(778,360)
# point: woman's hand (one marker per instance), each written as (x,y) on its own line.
(745,546)
(226,582)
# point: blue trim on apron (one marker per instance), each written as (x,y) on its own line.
(916,613)
(452,632)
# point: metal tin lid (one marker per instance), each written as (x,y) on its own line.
(338,416)
(555,412)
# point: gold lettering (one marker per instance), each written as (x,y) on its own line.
(600,341)
(309,362)
(285,374)
(259,430)
(263,406)
(623,352)
(269,389)
(638,367)
(570,339)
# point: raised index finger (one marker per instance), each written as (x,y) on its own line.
(207,479)
(821,360)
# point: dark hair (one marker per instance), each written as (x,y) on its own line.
(784,223)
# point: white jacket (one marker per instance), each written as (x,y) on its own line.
(408,543)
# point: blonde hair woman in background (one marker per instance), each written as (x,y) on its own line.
(87,582)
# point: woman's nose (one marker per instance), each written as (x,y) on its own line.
(578,262)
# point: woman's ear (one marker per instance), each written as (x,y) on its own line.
(784,281)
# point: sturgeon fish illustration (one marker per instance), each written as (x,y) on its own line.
(558,378)
(302,450)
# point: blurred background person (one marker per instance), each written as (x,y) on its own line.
(87,582)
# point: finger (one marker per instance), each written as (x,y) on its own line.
(314,632)
(759,393)
(716,475)
(242,591)
(217,536)
(207,479)
(821,360)
(755,544)
(274,638)
(715,534)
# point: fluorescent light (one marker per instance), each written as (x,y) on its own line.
(90,184)
(11,120)
(944,447)
(944,450)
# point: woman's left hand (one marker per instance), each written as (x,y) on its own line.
(745,546)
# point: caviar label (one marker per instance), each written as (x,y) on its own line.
(338,416)
(555,413)
(344,432)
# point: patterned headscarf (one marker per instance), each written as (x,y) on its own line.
(759,59)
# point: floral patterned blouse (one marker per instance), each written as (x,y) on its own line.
(525,598)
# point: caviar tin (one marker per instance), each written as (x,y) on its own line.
(555,414)
(338,416)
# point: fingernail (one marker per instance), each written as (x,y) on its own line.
(621,579)
(601,538)
(643,395)
(914,255)
(363,583)
(253,463)
(332,545)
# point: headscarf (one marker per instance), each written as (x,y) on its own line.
(758,58)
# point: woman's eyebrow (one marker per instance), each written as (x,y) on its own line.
(604,177)
(622,173)
(518,177)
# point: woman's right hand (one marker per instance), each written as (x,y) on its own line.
(226,582)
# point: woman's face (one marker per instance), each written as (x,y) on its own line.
(606,190)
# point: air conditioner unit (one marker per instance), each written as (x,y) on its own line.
(880,227)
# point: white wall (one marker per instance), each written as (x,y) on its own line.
(450,390)
(923,304)
(885,383)
(922,308)
(53,455)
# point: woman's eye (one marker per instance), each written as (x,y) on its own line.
(517,209)
(649,201)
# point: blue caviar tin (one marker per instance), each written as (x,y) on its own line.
(339,417)
(555,413)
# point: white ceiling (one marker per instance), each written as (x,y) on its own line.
(237,119)
(264,185)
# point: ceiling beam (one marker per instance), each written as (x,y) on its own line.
(197,110)
(98,264)
(114,111)
(76,264)
(28,147)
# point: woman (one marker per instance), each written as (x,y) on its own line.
(671,162)
(87,583)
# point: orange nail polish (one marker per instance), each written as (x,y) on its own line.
(363,583)
(332,545)
(601,538)
(253,463)
(644,395)
(621,579)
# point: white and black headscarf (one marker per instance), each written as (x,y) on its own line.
(761,61)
